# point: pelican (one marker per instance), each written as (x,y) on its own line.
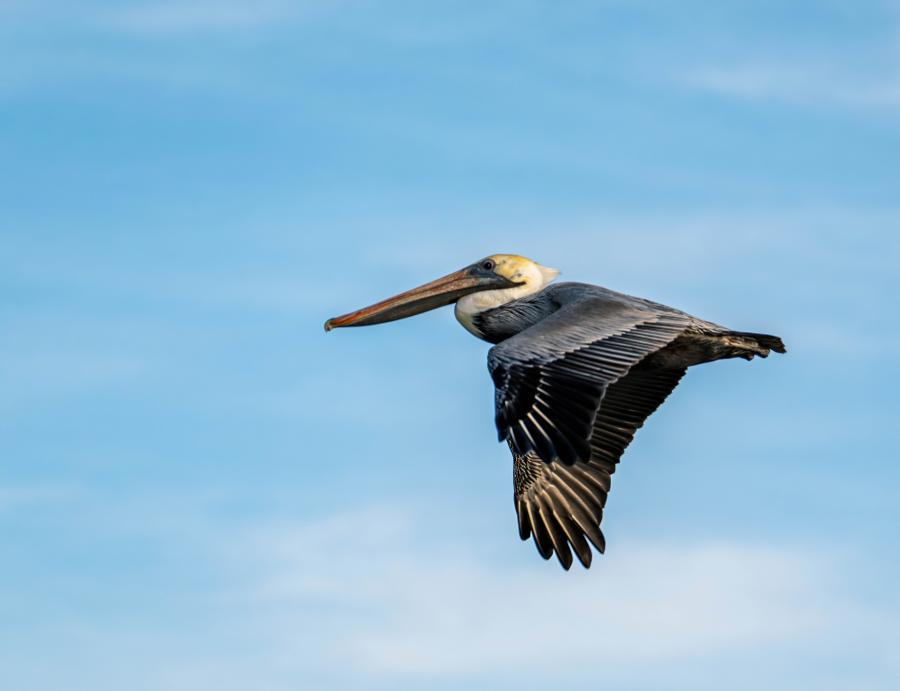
(577,369)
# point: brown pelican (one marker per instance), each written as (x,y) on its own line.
(577,370)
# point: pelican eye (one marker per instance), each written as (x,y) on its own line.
(488,265)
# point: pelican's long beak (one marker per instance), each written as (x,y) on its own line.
(438,293)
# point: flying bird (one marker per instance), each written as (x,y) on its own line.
(577,369)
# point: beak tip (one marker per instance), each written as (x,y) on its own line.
(328,326)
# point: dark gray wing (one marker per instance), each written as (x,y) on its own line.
(562,505)
(551,378)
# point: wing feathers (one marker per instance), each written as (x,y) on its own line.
(541,536)
(561,505)
(554,529)
(570,392)
(569,522)
(551,378)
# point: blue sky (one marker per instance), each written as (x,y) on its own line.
(200,489)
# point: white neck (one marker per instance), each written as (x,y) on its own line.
(532,278)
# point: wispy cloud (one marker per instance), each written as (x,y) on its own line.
(18,497)
(201,16)
(62,370)
(798,84)
(407,612)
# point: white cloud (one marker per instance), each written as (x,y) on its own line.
(392,600)
(799,84)
(62,369)
(192,16)
(17,497)
(196,15)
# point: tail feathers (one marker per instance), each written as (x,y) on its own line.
(760,343)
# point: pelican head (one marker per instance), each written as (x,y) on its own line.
(490,282)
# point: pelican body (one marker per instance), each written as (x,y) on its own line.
(577,369)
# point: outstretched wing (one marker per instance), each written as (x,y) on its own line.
(551,378)
(562,505)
